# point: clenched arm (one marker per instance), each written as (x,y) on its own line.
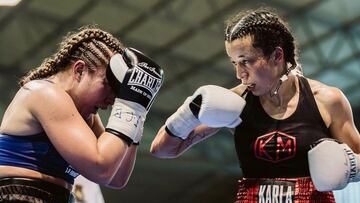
(342,125)
(167,146)
(96,159)
(123,173)
(214,112)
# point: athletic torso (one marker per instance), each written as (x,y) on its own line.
(269,147)
(25,150)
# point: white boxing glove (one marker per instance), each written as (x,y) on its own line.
(333,165)
(216,107)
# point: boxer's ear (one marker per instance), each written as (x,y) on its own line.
(278,55)
(78,69)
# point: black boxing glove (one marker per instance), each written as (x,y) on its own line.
(135,79)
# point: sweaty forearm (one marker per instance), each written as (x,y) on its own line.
(164,145)
(199,134)
(104,162)
(123,173)
(167,146)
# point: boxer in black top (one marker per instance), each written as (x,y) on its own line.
(274,152)
(276,123)
(279,145)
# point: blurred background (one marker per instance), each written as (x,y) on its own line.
(186,38)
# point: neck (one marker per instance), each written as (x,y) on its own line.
(284,92)
(64,80)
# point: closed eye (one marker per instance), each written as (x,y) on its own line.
(244,62)
(241,63)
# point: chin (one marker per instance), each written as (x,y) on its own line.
(255,92)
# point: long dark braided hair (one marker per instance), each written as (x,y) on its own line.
(90,44)
(268,31)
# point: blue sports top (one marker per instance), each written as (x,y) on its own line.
(37,153)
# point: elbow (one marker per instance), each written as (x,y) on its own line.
(102,178)
(165,154)
(153,150)
(101,174)
(118,184)
(116,187)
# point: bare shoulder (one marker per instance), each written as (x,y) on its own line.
(36,99)
(44,96)
(327,95)
(331,101)
(339,114)
(39,90)
(54,109)
(240,89)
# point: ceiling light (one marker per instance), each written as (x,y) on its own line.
(9,2)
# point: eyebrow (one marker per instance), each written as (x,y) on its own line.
(240,56)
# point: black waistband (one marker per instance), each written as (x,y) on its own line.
(40,188)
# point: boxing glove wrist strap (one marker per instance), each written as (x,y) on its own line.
(127,120)
(120,135)
(170,133)
(182,122)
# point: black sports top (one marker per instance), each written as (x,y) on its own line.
(269,148)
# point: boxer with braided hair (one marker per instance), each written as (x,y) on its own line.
(90,44)
(275,115)
(51,132)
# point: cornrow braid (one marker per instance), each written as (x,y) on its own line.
(87,56)
(90,44)
(267,30)
(102,47)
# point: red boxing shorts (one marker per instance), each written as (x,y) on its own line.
(280,190)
